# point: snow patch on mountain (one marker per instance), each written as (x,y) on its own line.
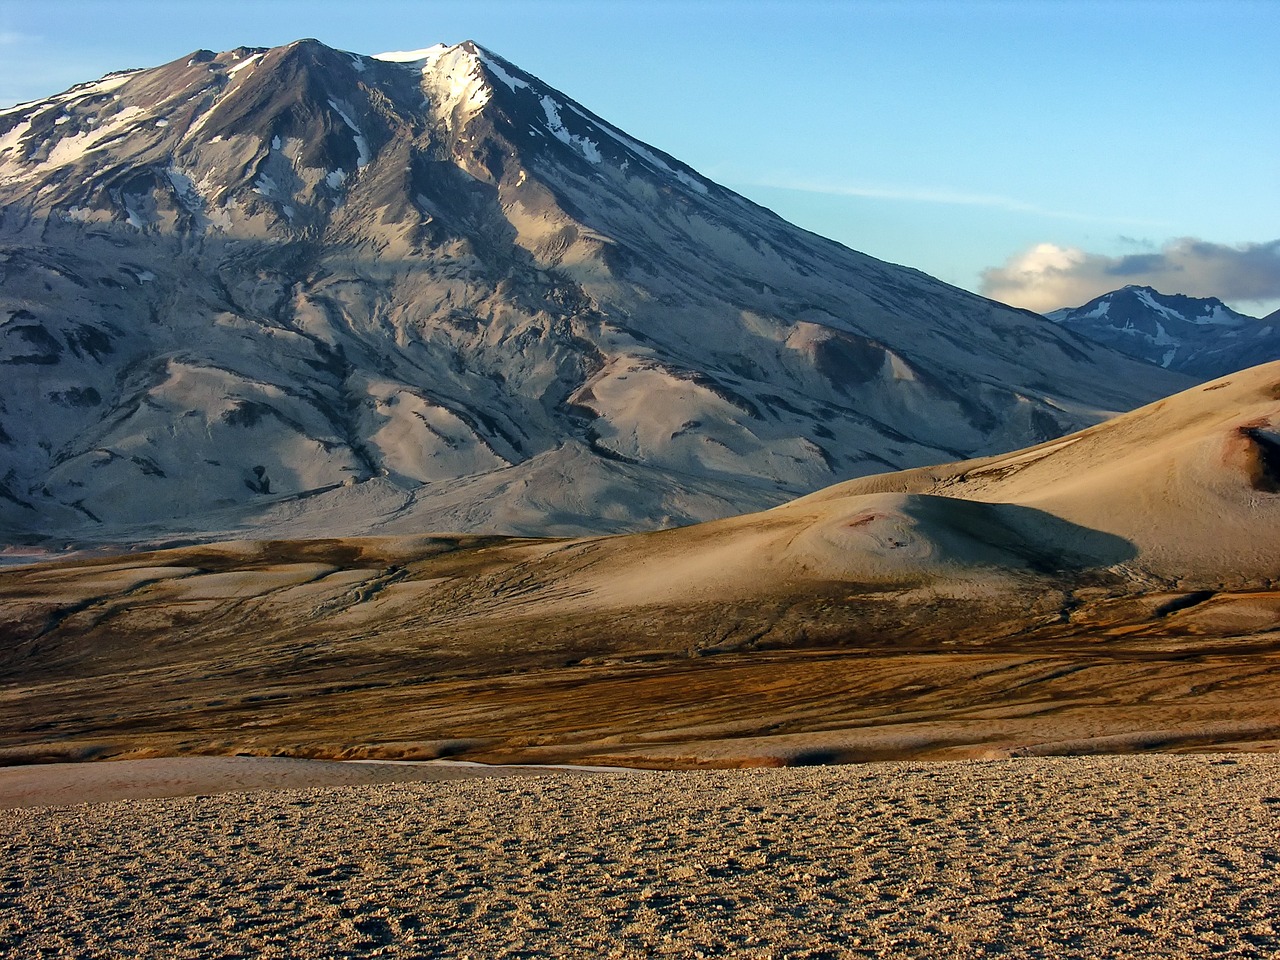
(112,81)
(589,149)
(514,83)
(247,62)
(12,138)
(425,55)
(648,156)
(71,149)
(362,144)
(454,82)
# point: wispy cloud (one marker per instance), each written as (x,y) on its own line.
(9,38)
(1046,276)
(944,195)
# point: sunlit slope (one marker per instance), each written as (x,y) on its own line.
(1190,482)
(1114,589)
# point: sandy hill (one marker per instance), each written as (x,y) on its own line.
(1112,589)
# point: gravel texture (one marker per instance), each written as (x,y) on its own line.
(1150,856)
(64,784)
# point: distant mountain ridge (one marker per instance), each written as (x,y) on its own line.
(302,291)
(1200,336)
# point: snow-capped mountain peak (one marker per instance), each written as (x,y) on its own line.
(421,57)
(1198,335)
(292,125)
(454,81)
(1205,310)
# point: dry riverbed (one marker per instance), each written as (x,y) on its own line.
(1069,857)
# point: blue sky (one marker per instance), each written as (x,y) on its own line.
(1040,152)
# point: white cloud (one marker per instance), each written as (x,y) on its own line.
(1047,276)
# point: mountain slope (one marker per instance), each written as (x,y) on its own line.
(303,291)
(1200,336)
(1113,590)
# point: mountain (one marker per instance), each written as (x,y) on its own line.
(1112,590)
(1199,336)
(299,291)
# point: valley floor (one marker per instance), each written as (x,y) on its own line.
(1065,857)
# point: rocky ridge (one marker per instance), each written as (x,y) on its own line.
(1200,336)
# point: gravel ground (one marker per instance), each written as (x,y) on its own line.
(1154,856)
(63,784)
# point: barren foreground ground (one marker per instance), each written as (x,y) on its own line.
(1070,857)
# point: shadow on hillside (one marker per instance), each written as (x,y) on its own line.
(1045,543)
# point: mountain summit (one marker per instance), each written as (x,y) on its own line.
(304,291)
(1200,336)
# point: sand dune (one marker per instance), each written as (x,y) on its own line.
(1115,589)
(1189,482)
